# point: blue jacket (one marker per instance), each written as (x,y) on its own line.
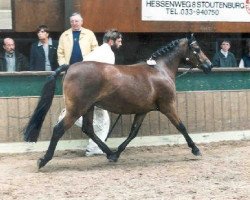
(37,57)
(246,60)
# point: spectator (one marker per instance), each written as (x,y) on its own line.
(43,53)
(76,42)
(245,60)
(10,59)
(224,58)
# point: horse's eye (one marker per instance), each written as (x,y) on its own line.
(197,49)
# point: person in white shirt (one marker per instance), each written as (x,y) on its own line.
(112,39)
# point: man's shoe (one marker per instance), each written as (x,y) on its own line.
(93,152)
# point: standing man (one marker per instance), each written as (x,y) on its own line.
(224,58)
(43,53)
(76,42)
(112,40)
(11,60)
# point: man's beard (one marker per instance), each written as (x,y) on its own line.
(114,48)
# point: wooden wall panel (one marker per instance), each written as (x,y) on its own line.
(145,128)
(154,123)
(28,14)
(182,107)
(126,122)
(226,111)
(209,112)
(4,123)
(191,110)
(248,106)
(234,110)
(13,120)
(164,125)
(201,111)
(217,103)
(243,107)
(23,104)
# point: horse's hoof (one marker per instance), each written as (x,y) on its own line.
(41,163)
(196,152)
(112,158)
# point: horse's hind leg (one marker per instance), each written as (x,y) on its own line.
(58,131)
(87,127)
(138,119)
(171,113)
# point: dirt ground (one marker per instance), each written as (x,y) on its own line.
(163,172)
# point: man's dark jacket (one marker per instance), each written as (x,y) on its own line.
(37,57)
(22,63)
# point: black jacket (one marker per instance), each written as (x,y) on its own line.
(21,62)
(37,57)
(246,60)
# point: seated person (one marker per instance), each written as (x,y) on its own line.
(10,59)
(43,53)
(245,60)
(224,58)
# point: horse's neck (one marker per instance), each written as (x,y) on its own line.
(175,58)
(171,66)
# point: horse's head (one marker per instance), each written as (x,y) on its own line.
(196,57)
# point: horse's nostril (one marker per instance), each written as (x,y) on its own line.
(206,68)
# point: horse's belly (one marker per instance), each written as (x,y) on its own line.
(127,106)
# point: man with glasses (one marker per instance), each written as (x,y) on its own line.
(76,42)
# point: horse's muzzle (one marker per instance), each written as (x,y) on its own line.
(207,67)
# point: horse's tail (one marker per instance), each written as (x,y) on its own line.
(34,125)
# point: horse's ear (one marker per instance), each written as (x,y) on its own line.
(191,38)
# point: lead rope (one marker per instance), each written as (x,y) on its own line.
(184,73)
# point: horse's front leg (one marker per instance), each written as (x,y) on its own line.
(170,112)
(138,119)
(87,127)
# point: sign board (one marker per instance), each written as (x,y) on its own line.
(196,10)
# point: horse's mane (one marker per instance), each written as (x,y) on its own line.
(164,50)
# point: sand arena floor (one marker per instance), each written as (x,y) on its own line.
(162,172)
